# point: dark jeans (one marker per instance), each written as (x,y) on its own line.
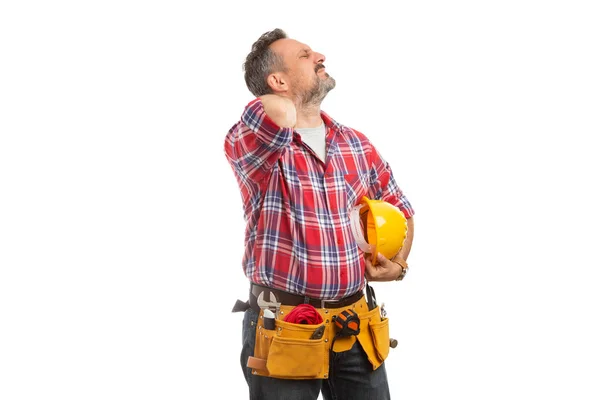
(352,375)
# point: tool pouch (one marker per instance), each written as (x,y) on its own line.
(375,340)
(288,351)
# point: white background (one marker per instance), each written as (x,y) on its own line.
(121,225)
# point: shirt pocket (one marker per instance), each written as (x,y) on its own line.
(357,186)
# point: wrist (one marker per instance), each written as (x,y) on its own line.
(403,267)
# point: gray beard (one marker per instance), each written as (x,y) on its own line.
(315,96)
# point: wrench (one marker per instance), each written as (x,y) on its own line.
(266,304)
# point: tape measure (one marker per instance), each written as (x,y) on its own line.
(348,323)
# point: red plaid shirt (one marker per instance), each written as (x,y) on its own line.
(297,208)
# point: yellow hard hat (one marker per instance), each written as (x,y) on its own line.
(378,227)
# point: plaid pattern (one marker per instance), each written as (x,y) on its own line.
(297,208)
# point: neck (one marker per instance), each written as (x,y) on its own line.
(308,116)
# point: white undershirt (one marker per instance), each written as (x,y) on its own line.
(315,139)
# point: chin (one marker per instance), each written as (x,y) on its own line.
(330,83)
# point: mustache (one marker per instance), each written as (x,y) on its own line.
(318,67)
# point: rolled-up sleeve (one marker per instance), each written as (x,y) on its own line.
(255,143)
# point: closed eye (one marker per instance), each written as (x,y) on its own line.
(304,53)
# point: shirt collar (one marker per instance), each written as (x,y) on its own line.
(330,122)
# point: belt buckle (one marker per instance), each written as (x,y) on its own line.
(308,300)
(324,302)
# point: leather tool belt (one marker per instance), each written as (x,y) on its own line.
(290,299)
(293,351)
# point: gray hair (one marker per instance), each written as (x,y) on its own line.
(262,61)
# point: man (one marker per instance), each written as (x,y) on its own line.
(300,173)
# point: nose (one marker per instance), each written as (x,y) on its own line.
(320,58)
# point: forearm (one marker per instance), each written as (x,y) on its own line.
(405,250)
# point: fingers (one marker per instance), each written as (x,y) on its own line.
(373,272)
(384,270)
(370,270)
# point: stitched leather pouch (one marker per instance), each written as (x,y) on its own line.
(375,340)
(289,352)
(380,331)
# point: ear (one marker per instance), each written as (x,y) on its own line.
(278,82)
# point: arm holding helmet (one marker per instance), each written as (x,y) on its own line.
(394,269)
(385,188)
